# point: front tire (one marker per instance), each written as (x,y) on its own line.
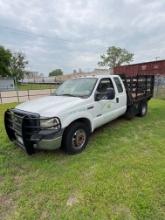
(75,138)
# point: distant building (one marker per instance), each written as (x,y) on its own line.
(102,71)
(31,74)
(6,84)
(34,77)
(76,74)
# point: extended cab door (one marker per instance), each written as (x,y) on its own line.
(121,97)
(105,108)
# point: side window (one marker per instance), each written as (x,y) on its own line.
(118,84)
(104,84)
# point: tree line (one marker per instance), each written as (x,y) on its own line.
(13,64)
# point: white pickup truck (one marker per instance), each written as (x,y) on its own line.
(79,106)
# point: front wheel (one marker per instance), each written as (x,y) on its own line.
(143,108)
(75,138)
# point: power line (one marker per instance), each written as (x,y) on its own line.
(34,34)
(51,39)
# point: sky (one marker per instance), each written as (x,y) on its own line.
(72,34)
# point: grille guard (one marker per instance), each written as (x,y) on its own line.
(27,126)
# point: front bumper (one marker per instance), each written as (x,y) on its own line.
(42,144)
(24,129)
(47,141)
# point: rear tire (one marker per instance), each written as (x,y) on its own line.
(143,108)
(75,138)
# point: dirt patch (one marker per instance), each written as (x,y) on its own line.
(5,201)
(6,206)
(1,178)
(123,212)
(72,200)
(44,215)
(17,179)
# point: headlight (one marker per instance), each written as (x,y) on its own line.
(50,123)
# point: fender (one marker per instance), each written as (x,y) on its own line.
(75,115)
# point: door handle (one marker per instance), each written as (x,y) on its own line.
(117,100)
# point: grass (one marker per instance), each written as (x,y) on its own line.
(32,86)
(120,175)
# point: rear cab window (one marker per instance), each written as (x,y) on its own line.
(118,84)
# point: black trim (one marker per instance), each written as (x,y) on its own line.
(8,126)
(90,107)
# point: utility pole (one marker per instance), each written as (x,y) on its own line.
(156,58)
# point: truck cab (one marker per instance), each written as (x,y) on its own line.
(68,116)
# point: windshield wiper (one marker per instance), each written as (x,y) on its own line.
(67,94)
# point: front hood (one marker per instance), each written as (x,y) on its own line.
(50,105)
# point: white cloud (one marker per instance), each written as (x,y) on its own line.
(71,34)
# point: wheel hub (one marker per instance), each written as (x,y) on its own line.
(143,110)
(79,138)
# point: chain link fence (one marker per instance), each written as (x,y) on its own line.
(159,89)
(22,96)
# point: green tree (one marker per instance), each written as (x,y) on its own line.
(17,66)
(5,57)
(56,72)
(115,56)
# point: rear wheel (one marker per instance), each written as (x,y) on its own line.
(75,138)
(143,108)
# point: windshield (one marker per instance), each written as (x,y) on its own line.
(81,87)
